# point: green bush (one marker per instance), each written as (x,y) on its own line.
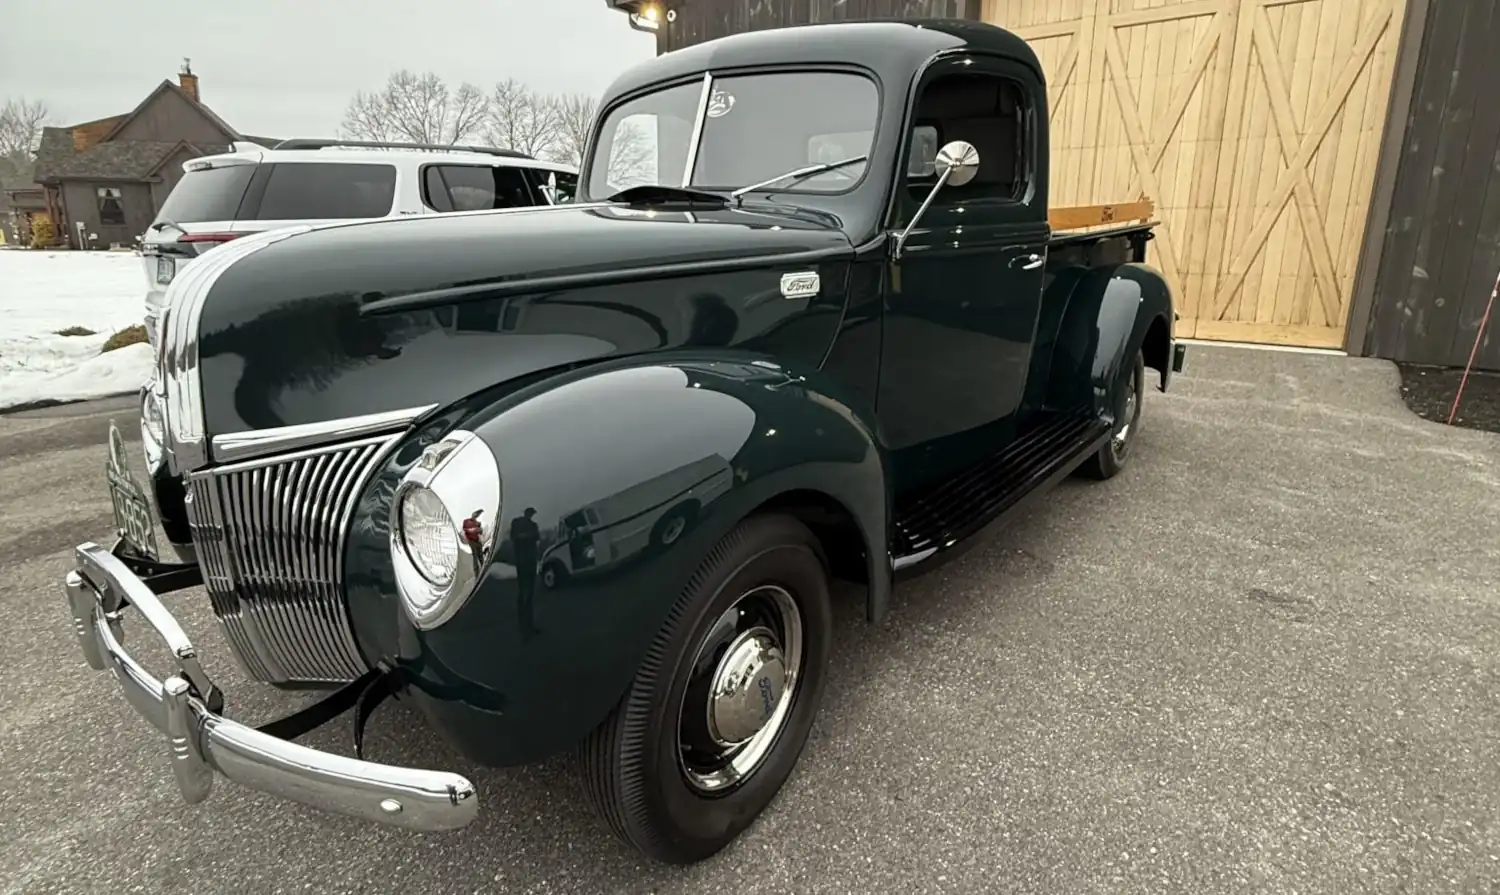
(75,331)
(42,231)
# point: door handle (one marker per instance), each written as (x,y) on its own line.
(1028,262)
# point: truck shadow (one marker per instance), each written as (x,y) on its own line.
(537,814)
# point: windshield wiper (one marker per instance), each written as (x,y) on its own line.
(799,174)
(164,223)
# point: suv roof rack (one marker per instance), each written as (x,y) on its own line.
(318,143)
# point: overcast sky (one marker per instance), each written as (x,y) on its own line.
(285,68)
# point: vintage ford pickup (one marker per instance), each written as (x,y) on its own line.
(578,478)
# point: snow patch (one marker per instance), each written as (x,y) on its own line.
(120,371)
(42,292)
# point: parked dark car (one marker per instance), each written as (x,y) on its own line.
(834,281)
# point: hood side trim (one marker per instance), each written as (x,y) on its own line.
(415,301)
(239,446)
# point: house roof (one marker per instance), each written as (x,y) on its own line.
(121,160)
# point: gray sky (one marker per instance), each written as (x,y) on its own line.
(285,68)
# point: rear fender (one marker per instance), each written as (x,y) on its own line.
(604,461)
(1112,313)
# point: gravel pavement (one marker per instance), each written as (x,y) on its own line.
(1265,659)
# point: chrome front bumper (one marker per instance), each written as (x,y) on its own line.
(186,706)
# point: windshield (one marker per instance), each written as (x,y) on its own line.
(755,127)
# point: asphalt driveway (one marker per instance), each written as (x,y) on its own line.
(1266,659)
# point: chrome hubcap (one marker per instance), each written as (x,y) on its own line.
(747,688)
(741,692)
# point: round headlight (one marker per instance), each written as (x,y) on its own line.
(429,536)
(444,524)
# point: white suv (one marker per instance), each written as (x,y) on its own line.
(251,189)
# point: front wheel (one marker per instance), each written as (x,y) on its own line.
(718,713)
(1113,456)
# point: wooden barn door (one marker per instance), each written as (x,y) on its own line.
(1255,125)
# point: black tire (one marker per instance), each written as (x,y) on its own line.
(634,770)
(1115,454)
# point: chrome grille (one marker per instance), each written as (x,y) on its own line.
(270,536)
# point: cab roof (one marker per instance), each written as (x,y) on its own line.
(893,49)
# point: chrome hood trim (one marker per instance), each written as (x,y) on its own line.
(238,446)
(178,371)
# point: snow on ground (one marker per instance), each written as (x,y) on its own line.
(43,292)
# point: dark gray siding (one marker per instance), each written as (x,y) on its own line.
(83,206)
(1440,251)
(701,20)
(170,118)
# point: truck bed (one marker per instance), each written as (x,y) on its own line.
(1087,223)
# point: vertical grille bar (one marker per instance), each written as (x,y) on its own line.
(273,533)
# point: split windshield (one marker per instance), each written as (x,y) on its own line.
(754,128)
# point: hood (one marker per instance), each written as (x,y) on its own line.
(349,320)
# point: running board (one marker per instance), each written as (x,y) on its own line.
(945,516)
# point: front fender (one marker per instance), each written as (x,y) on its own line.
(601,463)
(1109,314)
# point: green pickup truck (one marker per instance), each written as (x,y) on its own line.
(813,267)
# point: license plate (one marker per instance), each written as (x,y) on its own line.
(166,269)
(132,512)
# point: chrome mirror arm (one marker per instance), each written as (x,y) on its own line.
(959,162)
(916,218)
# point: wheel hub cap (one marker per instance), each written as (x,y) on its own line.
(744,682)
(747,687)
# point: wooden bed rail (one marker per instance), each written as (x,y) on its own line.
(1078,217)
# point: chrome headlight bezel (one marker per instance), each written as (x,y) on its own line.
(153,426)
(461,471)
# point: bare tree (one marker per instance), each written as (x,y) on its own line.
(632,146)
(522,119)
(575,120)
(21,128)
(416,108)
(632,155)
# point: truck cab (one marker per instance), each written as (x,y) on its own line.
(809,316)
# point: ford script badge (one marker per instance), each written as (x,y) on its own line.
(800,285)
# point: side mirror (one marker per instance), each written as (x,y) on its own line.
(957,163)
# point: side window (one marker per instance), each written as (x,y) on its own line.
(434,191)
(448,188)
(567,187)
(298,191)
(985,110)
(556,187)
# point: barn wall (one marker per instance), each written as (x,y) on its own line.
(1440,249)
(1255,125)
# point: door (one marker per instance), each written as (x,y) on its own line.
(962,300)
(1254,125)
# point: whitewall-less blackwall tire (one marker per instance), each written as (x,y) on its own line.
(718,713)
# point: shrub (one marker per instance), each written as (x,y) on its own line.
(130,335)
(75,331)
(42,232)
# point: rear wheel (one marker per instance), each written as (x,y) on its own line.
(1115,453)
(718,713)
